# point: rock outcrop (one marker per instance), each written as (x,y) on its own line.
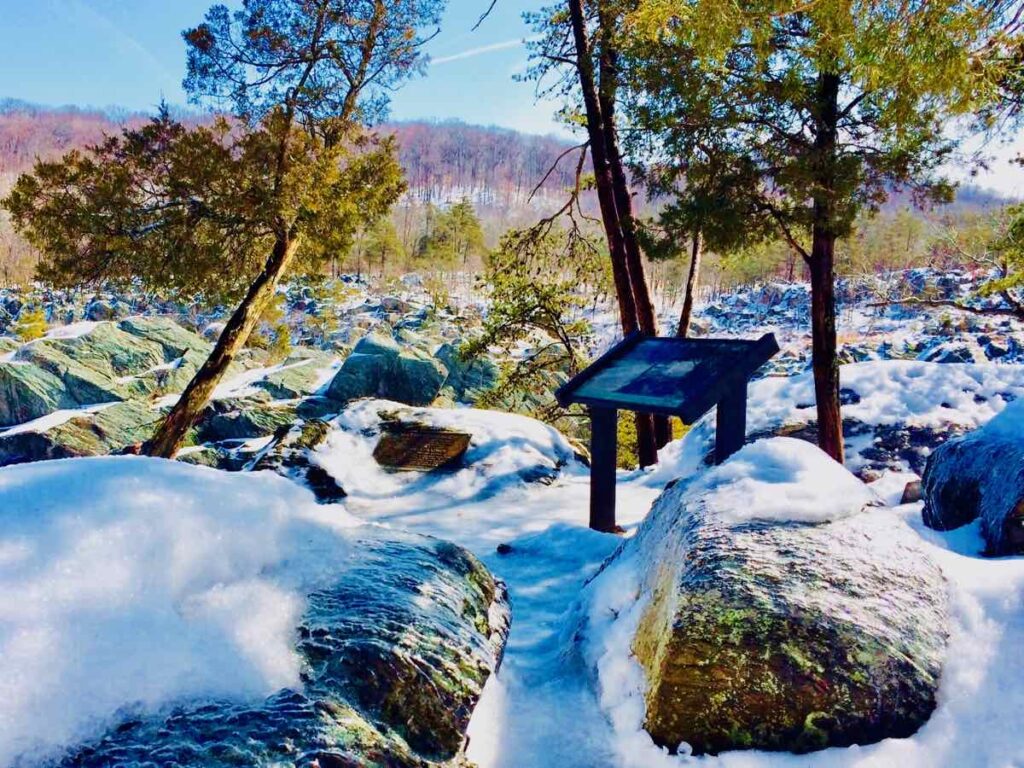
(380,367)
(981,475)
(812,621)
(396,654)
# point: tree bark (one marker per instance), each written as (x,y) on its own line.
(611,216)
(602,169)
(174,428)
(822,268)
(823,344)
(691,287)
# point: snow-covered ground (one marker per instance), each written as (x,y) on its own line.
(122,588)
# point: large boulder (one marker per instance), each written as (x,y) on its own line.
(779,610)
(981,475)
(108,430)
(396,654)
(467,378)
(380,367)
(28,392)
(301,374)
(175,339)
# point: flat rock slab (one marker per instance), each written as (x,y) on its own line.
(420,448)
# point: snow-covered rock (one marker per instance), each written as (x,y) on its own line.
(773,607)
(157,612)
(981,475)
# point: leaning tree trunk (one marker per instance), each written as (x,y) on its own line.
(175,426)
(691,287)
(821,263)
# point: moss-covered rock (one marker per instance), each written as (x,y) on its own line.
(783,635)
(301,374)
(108,430)
(246,419)
(379,367)
(396,654)
(467,378)
(28,392)
(172,337)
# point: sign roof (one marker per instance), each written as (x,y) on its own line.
(677,377)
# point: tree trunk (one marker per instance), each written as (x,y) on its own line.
(647,451)
(602,169)
(823,344)
(822,268)
(174,428)
(691,287)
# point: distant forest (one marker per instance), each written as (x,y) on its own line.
(492,170)
(443,161)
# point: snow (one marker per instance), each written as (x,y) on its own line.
(133,586)
(781,479)
(894,391)
(130,583)
(51,420)
(72,330)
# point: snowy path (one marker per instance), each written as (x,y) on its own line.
(541,709)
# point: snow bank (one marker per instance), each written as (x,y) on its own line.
(128,583)
(505,449)
(781,479)
(894,392)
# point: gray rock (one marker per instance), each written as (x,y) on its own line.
(396,653)
(779,635)
(379,367)
(28,392)
(980,474)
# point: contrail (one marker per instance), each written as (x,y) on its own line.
(478,51)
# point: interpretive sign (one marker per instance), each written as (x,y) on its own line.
(667,376)
(420,448)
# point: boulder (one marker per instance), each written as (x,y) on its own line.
(290,455)
(981,475)
(783,612)
(379,367)
(172,337)
(396,654)
(98,309)
(244,419)
(28,392)
(96,365)
(300,375)
(109,430)
(467,378)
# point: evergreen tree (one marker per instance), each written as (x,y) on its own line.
(231,209)
(834,104)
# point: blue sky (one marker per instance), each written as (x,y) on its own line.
(129,53)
